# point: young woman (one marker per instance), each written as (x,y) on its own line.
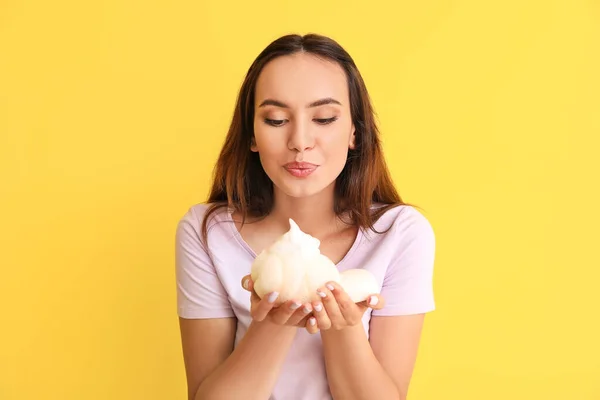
(303,144)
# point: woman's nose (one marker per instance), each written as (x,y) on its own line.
(301,138)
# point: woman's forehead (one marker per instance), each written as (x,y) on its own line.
(300,79)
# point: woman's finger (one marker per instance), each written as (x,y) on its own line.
(283,313)
(247,283)
(302,322)
(254,300)
(299,317)
(351,314)
(262,308)
(331,309)
(374,301)
(320,315)
(311,325)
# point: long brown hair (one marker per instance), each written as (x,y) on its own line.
(241,184)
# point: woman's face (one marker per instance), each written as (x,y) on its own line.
(302,124)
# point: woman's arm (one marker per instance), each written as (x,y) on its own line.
(208,327)
(382,366)
(381,369)
(250,371)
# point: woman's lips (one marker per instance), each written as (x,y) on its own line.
(300,169)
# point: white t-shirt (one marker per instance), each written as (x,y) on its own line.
(209,283)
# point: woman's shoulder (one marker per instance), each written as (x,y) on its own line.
(403,219)
(197,213)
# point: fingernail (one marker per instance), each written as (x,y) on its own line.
(246,282)
(321,293)
(329,286)
(307,310)
(373,300)
(272,297)
(295,305)
(312,321)
(318,307)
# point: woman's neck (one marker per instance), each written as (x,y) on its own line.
(314,215)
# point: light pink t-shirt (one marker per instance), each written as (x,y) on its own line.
(209,283)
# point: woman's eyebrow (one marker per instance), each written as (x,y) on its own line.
(321,102)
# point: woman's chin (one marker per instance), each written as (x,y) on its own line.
(302,189)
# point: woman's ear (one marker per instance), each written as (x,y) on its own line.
(253,145)
(352,143)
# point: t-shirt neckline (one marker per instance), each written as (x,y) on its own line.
(238,237)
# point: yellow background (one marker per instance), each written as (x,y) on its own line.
(112,114)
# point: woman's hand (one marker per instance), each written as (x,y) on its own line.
(291,313)
(337,311)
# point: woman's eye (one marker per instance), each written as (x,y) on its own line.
(274,122)
(280,122)
(325,121)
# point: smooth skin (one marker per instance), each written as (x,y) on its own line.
(301,124)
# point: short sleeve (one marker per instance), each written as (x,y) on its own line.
(408,282)
(200,293)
